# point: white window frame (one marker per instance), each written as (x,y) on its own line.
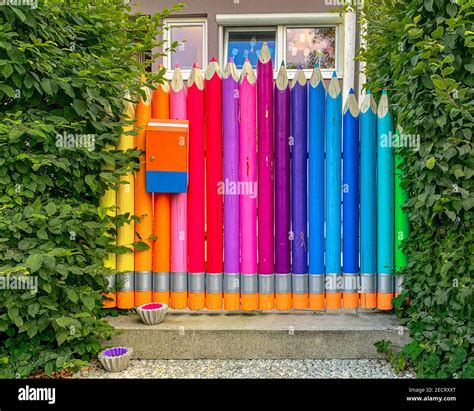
(177,22)
(280,22)
(225,53)
(327,73)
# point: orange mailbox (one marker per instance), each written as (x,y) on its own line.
(167,156)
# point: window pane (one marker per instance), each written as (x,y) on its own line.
(309,46)
(244,44)
(189,49)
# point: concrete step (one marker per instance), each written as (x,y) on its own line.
(185,334)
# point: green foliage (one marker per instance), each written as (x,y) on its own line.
(65,68)
(421,51)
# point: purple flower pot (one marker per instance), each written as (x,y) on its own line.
(115,359)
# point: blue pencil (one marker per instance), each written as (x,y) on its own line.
(299,107)
(317,97)
(385,212)
(368,201)
(333,193)
(350,241)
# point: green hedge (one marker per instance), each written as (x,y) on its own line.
(64,70)
(421,51)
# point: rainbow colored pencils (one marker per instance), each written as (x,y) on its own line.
(143,209)
(317,97)
(402,227)
(266,278)
(179,215)
(385,203)
(368,202)
(196,262)
(299,198)
(248,179)
(161,212)
(230,122)
(214,200)
(333,193)
(350,227)
(126,232)
(282,191)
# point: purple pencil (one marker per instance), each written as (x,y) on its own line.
(282,191)
(230,123)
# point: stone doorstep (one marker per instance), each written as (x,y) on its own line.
(185,334)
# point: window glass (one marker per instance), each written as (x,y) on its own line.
(244,44)
(310,46)
(189,49)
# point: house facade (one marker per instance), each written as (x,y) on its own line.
(298,32)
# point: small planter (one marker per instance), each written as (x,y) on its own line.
(153,313)
(115,359)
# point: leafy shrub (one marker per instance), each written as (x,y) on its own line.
(421,51)
(64,70)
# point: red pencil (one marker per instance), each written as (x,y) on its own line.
(196,267)
(214,199)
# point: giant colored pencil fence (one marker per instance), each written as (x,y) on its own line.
(306,216)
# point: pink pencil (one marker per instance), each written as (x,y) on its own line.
(248,180)
(179,269)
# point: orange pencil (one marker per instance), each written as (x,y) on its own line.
(161,212)
(143,209)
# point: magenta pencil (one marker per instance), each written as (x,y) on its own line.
(179,269)
(248,194)
(230,129)
(266,277)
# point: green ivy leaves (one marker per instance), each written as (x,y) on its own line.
(63,75)
(421,51)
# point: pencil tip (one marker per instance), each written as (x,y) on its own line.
(300,67)
(177,66)
(351,91)
(316,66)
(282,63)
(368,92)
(195,65)
(246,59)
(384,92)
(213,59)
(334,74)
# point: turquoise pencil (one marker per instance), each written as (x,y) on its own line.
(385,211)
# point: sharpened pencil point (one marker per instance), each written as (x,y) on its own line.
(351,91)
(334,73)
(213,59)
(384,92)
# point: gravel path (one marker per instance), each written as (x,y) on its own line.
(249,369)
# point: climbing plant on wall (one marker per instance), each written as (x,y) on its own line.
(421,51)
(64,69)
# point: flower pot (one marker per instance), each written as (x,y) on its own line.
(152,313)
(115,359)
